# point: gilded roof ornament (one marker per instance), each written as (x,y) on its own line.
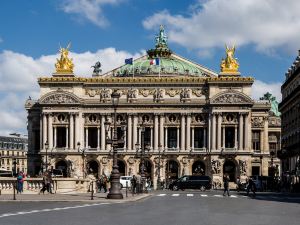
(229,65)
(64,65)
(161,40)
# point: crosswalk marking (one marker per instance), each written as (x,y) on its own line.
(219,196)
(189,195)
(233,196)
(203,195)
(176,195)
(162,195)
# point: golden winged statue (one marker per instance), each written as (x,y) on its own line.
(64,64)
(229,64)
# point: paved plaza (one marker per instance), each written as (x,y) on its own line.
(158,207)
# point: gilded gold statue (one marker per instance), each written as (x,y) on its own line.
(64,64)
(229,64)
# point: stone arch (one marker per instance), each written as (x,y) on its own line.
(93,167)
(62,165)
(59,97)
(230,168)
(149,168)
(198,168)
(231,97)
(122,167)
(172,169)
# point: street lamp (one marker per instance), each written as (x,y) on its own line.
(142,148)
(158,175)
(114,192)
(83,159)
(46,147)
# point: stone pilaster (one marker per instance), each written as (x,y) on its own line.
(182,133)
(188,132)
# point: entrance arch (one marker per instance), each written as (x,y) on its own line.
(229,168)
(198,168)
(93,168)
(172,170)
(122,167)
(62,165)
(147,168)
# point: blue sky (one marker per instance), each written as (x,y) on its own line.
(266,34)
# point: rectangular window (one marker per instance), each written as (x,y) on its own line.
(256,140)
(172,137)
(92,135)
(61,137)
(198,137)
(229,137)
(147,136)
(120,134)
(255,170)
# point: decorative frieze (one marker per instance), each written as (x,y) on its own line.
(257,121)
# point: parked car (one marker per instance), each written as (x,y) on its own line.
(123,180)
(191,182)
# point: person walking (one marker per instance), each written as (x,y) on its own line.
(133,184)
(138,183)
(49,183)
(20,180)
(226,185)
(251,186)
(44,183)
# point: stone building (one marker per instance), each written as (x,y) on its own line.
(290,109)
(195,120)
(13,153)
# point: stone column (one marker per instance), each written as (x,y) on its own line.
(182,133)
(241,128)
(77,130)
(45,135)
(161,130)
(213,140)
(50,131)
(67,137)
(224,139)
(86,137)
(135,121)
(98,138)
(266,134)
(193,138)
(41,132)
(125,140)
(261,141)
(178,138)
(166,137)
(129,132)
(204,137)
(235,137)
(209,132)
(71,131)
(219,125)
(155,132)
(81,129)
(246,141)
(102,133)
(55,137)
(188,132)
(151,137)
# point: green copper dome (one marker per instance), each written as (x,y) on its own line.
(170,64)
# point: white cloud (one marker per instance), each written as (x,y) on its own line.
(269,25)
(91,10)
(260,88)
(19,73)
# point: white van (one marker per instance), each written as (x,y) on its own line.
(123,180)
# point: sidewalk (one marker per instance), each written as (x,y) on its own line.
(79,197)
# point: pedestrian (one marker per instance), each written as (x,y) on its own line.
(251,186)
(104,183)
(238,184)
(20,181)
(44,183)
(99,183)
(226,184)
(49,183)
(138,183)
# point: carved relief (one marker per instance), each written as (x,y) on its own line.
(199,119)
(105,94)
(60,118)
(158,95)
(275,121)
(146,92)
(230,118)
(172,92)
(185,94)
(215,166)
(104,160)
(92,92)
(130,160)
(197,92)
(243,167)
(132,93)
(92,119)
(230,98)
(60,98)
(257,121)
(172,119)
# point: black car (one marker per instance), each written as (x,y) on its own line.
(191,182)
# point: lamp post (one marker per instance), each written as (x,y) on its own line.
(82,151)
(142,149)
(46,161)
(158,174)
(114,192)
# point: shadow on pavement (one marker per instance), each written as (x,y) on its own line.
(275,197)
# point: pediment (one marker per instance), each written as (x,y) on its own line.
(231,97)
(59,97)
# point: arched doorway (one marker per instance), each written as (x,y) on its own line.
(198,168)
(229,168)
(147,168)
(172,170)
(62,165)
(93,168)
(122,168)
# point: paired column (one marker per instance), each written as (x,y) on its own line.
(77,130)
(134,135)
(72,131)
(50,131)
(45,135)
(188,132)
(102,132)
(193,138)
(241,128)
(161,130)
(151,137)
(166,137)
(219,125)
(155,132)
(55,137)
(98,138)
(41,131)
(247,131)
(178,136)
(129,132)
(86,137)
(213,132)
(182,136)
(67,137)
(235,137)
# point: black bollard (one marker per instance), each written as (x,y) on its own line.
(14,187)
(92,192)
(126,188)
